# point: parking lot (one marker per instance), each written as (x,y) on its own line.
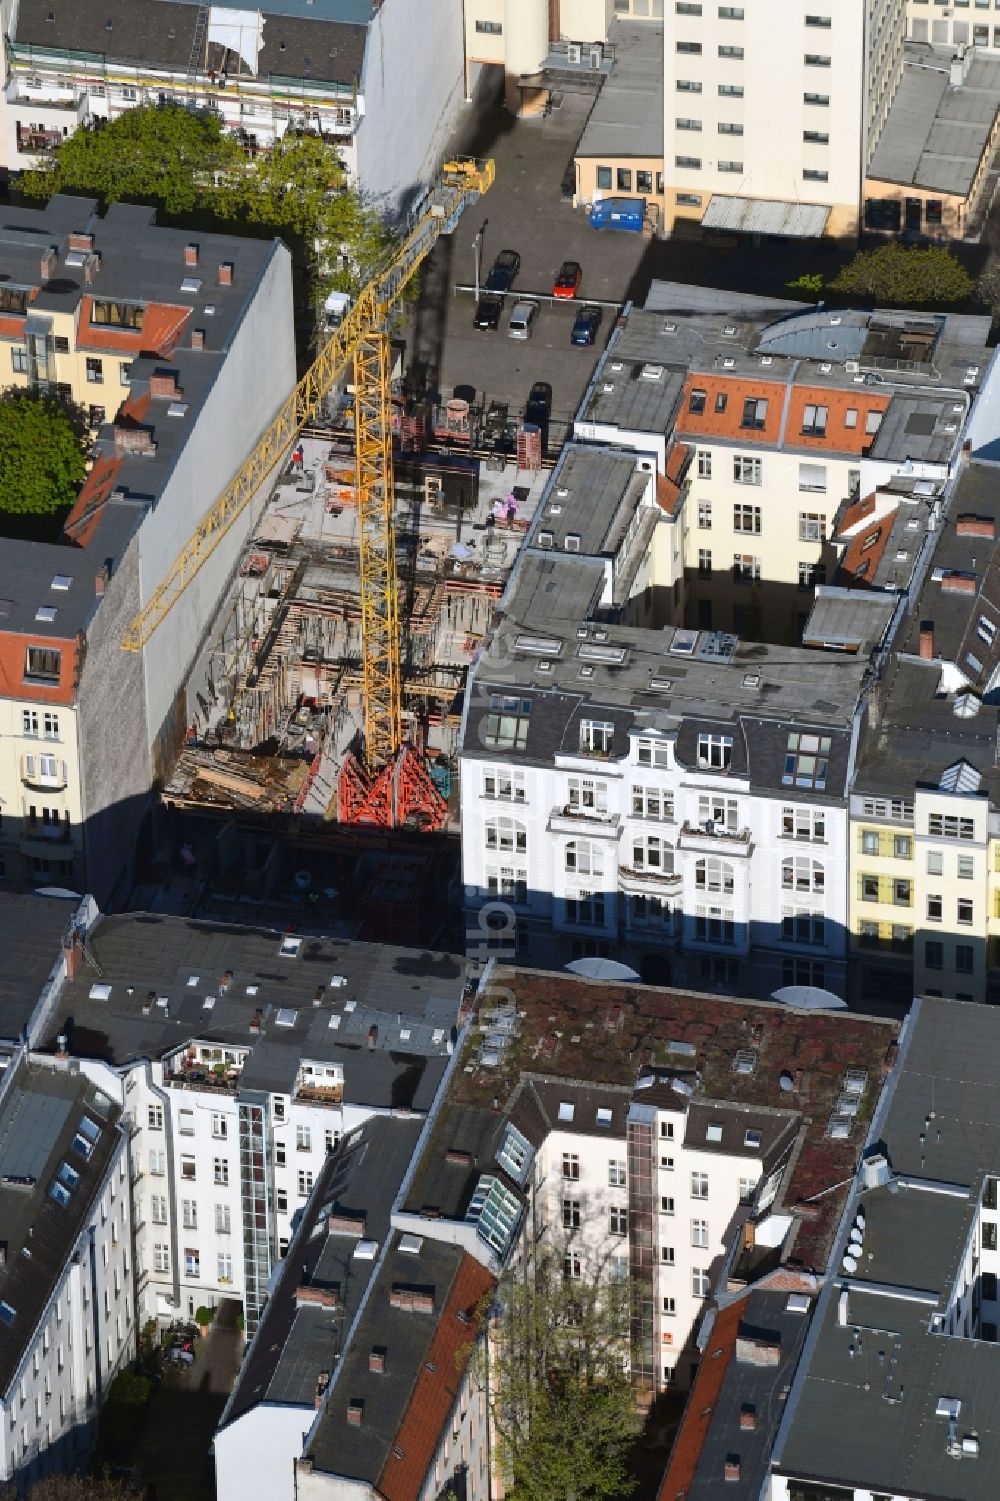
(524,211)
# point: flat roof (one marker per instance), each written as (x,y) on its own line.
(31,934)
(627,117)
(41,1108)
(864,1407)
(793,220)
(848,619)
(935,134)
(386,1012)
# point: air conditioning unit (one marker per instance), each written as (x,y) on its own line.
(574,52)
(852,367)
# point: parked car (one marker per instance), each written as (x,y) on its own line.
(538,407)
(521,319)
(504,270)
(488,310)
(588,321)
(568,279)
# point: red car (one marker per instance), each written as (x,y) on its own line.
(567,282)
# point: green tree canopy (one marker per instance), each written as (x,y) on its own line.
(898,275)
(42,453)
(61,1487)
(558,1385)
(184,162)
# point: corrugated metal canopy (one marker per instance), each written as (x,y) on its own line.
(799,221)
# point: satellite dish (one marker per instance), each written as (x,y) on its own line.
(62,892)
(859,1219)
(856,1237)
(849,1264)
(809,998)
(601,969)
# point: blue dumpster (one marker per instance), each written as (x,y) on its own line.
(619,213)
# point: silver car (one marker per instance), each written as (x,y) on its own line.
(521,319)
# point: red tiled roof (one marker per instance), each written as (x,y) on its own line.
(162,325)
(82,519)
(437,1385)
(779,429)
(12,327)
(856,513)
(691,1435)
(668,486)
(864,554)
(710,423)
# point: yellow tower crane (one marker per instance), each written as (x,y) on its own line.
(371,793)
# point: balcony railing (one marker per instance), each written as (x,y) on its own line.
(710,837)
(572,820)
(194,1075)
(320,1094)
(630,875)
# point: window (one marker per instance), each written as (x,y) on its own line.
(222,1219)
(651,802)
(699,1233)
(571,1214)
(823,21)
(666,1204)
(704,562)
(964,958)
(571,1166)
(699,1282)
(604,178)
(192,1262)
(583,795)
(989,1235)
(730,13)
(157,1162)
(721,812)
(805,875)
(596,737)
(696,401)
(504,785)
(933,953)
(188,1168)
(185,1122)
(29,722)
(965,911)
(279,1154)
(814,421)
(684,123)
(694,48)
(811,526)
(651,853)
(653,753)
(816,60)
(754,409)
(746,568)
(585,909)
(19,360)
(116,314)
(221,1169)
(699,1185)
(281,1201)
(902,893)
(731,52)
(806,760)
(820,100)
(687,86)
(158,1209)
(705,469)
(155,1117)
(667,1255)
(572,1266)
(224,1265)
(43,664)
(934,907)
(715,752)
(161,1258)
(507,722)
(220,1126)
(944,826)
(803,823)
(616,1173)
(798,925)
(189,1214)
(873,421)
(305,1182)
(688,163)
(728,166)
(95,371)
(584,858)
(902,847)
(747,471)
(618,1221)
(815,174)
(489,28)
(713,874)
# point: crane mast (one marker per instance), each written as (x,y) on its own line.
(391,779)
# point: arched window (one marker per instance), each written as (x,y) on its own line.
(583,858)
(799,873)
(506,834)
(713,874)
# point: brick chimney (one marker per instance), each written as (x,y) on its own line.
(376,1360)
(78,240)
(976,526)
(346,1224)
(317,1297)
(48,263)
(927,640)
(355,1412)
(372,1037)
(758,1349)
(197,338)
(133,440)
(164,383)
(411,1299)
(190,255)
(731,1469)
(959,583)
(73,954)
(225,273)
(322,1382)
(748,1417)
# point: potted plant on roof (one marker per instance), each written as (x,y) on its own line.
(203,1318)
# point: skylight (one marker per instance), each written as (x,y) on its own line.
(713,1132)
(100,992)
(90,1129)
(566,1110)
(752,1139)
(495,1212)
(7,1314)
(285,1017)
(515,1154)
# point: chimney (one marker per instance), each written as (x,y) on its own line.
(346,1224)
(73,953)
(133,440)
(62,1046)
(758,1349)
(976,526)
(317,1297)
(355,1412)
(190,255)
(103,578)
(410,1299)
(225,273)
(748,1418)
(376,1360)
(959,583)
(732,1467)
(91,266)
(257,1020)
(226,981)
(322,1382)
(164,383)
(78,240)
(48,264)
(372,1037)
(749,1235)
(197,338)
(458,1157)
(927,640)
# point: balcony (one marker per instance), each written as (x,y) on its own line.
(44,771)
(320,1094)
(189,1073)
(709,838)
(570,820)
(632,878)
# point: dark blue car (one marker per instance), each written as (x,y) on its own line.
(588,321)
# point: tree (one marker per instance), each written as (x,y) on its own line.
(901,276)
(73,1488)
(555,1370)
(988,286)
(43,448)
(184,162)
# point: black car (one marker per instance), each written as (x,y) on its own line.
(538,408)
(504,269)
(488,310)
(588,321)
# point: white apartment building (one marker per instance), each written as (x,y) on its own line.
(233,1115)
(770,111)
(957,23)
(67,1296)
